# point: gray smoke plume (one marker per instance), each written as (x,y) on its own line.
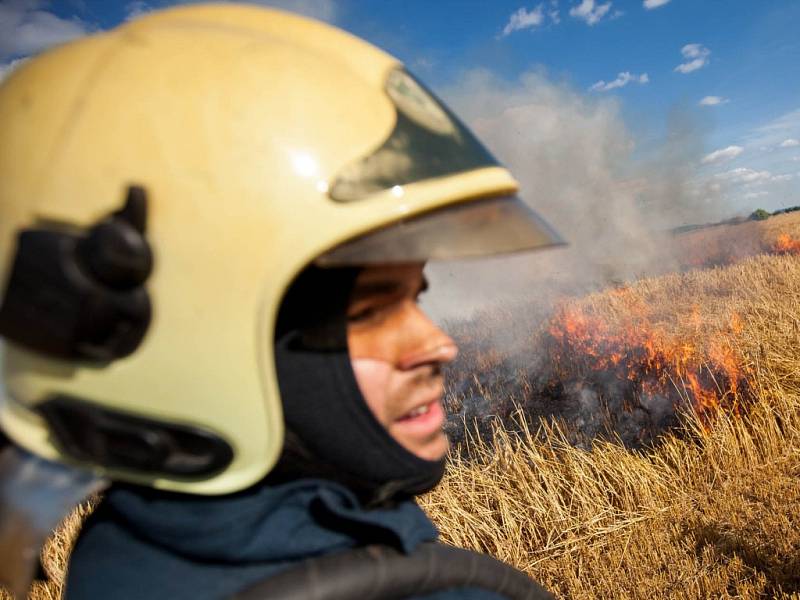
(575,160)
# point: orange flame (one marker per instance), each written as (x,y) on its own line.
(786,244)
(640,358)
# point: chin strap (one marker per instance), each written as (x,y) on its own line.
(35,495)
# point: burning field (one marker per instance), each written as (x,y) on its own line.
(621,364)
(624,362)
(642,441)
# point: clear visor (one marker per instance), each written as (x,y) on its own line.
(478,228)
(429,142)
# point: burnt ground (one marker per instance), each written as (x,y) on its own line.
(590,409)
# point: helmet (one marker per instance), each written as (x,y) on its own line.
(161,186)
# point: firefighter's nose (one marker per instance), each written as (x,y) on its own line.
(431,345)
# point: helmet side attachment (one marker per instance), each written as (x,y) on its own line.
(81,295)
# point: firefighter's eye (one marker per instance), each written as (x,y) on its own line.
(362,314)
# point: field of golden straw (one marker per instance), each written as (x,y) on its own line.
(710,507)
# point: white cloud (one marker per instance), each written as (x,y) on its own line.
(553,13)
(696,56)
(744,175)
(424,63)
(713,101)
(588,12)
(8,68)
(722,155)
(622,80)
(786,177)
(790,143)
(524,19)
(135,9)
(26,29)
(324,10)
(651,4)
(754,195)
(775,132)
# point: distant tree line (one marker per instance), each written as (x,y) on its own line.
(758,214)
(783,210)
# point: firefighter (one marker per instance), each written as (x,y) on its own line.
(213,227)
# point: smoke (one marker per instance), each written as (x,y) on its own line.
(578,167)
(584,171)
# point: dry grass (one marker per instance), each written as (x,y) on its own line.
(55,556)
(709,514)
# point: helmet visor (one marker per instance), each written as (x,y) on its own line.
(427,142)
(471,229)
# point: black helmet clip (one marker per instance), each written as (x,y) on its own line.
(81,296)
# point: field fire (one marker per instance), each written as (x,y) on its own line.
(619,364)
(786,244)
(643,365)
(625,376)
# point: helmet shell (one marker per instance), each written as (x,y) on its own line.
(234,119)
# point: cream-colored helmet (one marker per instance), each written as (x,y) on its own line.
(249,143)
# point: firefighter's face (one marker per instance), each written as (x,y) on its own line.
(397,353)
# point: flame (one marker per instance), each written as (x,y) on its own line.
(638,358)
(786,244)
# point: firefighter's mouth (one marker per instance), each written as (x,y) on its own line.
(424,419)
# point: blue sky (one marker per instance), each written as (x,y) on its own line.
(720,75)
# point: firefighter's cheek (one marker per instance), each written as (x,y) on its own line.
(382,340)
(376,380)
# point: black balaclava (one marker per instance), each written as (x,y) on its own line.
(331,432)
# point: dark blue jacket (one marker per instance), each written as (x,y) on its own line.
(144,544)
